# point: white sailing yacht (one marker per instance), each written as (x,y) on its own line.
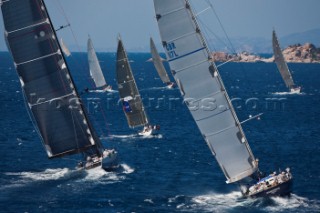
(282,65)
(158,64)
(52,100)
(198,79)
(129,94)
(95,68)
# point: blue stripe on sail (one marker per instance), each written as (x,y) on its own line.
(187,54)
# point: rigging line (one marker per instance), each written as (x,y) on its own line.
(220,23)
(76,62)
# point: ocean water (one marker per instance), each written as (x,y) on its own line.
(174,170)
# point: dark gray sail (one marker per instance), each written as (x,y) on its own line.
(129,94)
(157,61)
(202,88)
(281,63)
(48,87)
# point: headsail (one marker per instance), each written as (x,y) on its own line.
(157,61)
(47,84)
(281,63)
(202,88)
(128,91)
(94,66)
(64,48)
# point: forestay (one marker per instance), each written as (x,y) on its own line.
(46,82)
(281,63)
(157,61)
(94,66)
(202,88)
(129,94)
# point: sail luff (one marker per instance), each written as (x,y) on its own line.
(157,61)
(48,87)
(201,85)
(128,91)
(280,61)
(94,66)
(64,48)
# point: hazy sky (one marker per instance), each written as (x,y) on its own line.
(134,19)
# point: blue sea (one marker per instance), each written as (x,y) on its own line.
(173,171)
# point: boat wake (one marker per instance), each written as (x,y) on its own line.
(223,202)
(48,174)
(156,88)
(100,175)
(287,93)
(103,91)
(133,136)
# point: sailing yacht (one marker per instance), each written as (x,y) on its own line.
(282,65)
(129,94)
(199,81)
(157,61)
(95,68)
(52,100)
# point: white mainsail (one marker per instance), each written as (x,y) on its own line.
(201,85)
(157,61)
(94,66)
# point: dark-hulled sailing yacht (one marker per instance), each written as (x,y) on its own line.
(129,94)
(282,65)
(49,91)
(199,80)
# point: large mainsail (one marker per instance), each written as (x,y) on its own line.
(47,84)
(157,61)
(202,88)
(129,94)
(281,63)
(94,66)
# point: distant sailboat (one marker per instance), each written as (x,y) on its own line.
(157,61)
(95,69)
(129,94)
(52,99)
(64,48)
(282,65)
(200,84)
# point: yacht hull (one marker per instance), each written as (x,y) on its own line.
(283,189)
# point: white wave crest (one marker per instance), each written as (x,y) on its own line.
(287,93)
(127,169)
(48,174)
(293,202)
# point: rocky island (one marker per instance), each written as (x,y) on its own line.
(307,53)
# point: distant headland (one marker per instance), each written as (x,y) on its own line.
(307,53)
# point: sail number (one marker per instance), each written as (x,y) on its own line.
(170,47)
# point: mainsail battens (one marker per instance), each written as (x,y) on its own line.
(281,63)
(54,99)
(47,85)
(29,26)
(39,58)
(128,91)
(187,54)
(189,57)
(192,65)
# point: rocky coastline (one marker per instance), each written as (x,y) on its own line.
(307,53)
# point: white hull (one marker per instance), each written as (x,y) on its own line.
(107,89)
(146,132)
(108,162)
(170,85)
(295,90)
